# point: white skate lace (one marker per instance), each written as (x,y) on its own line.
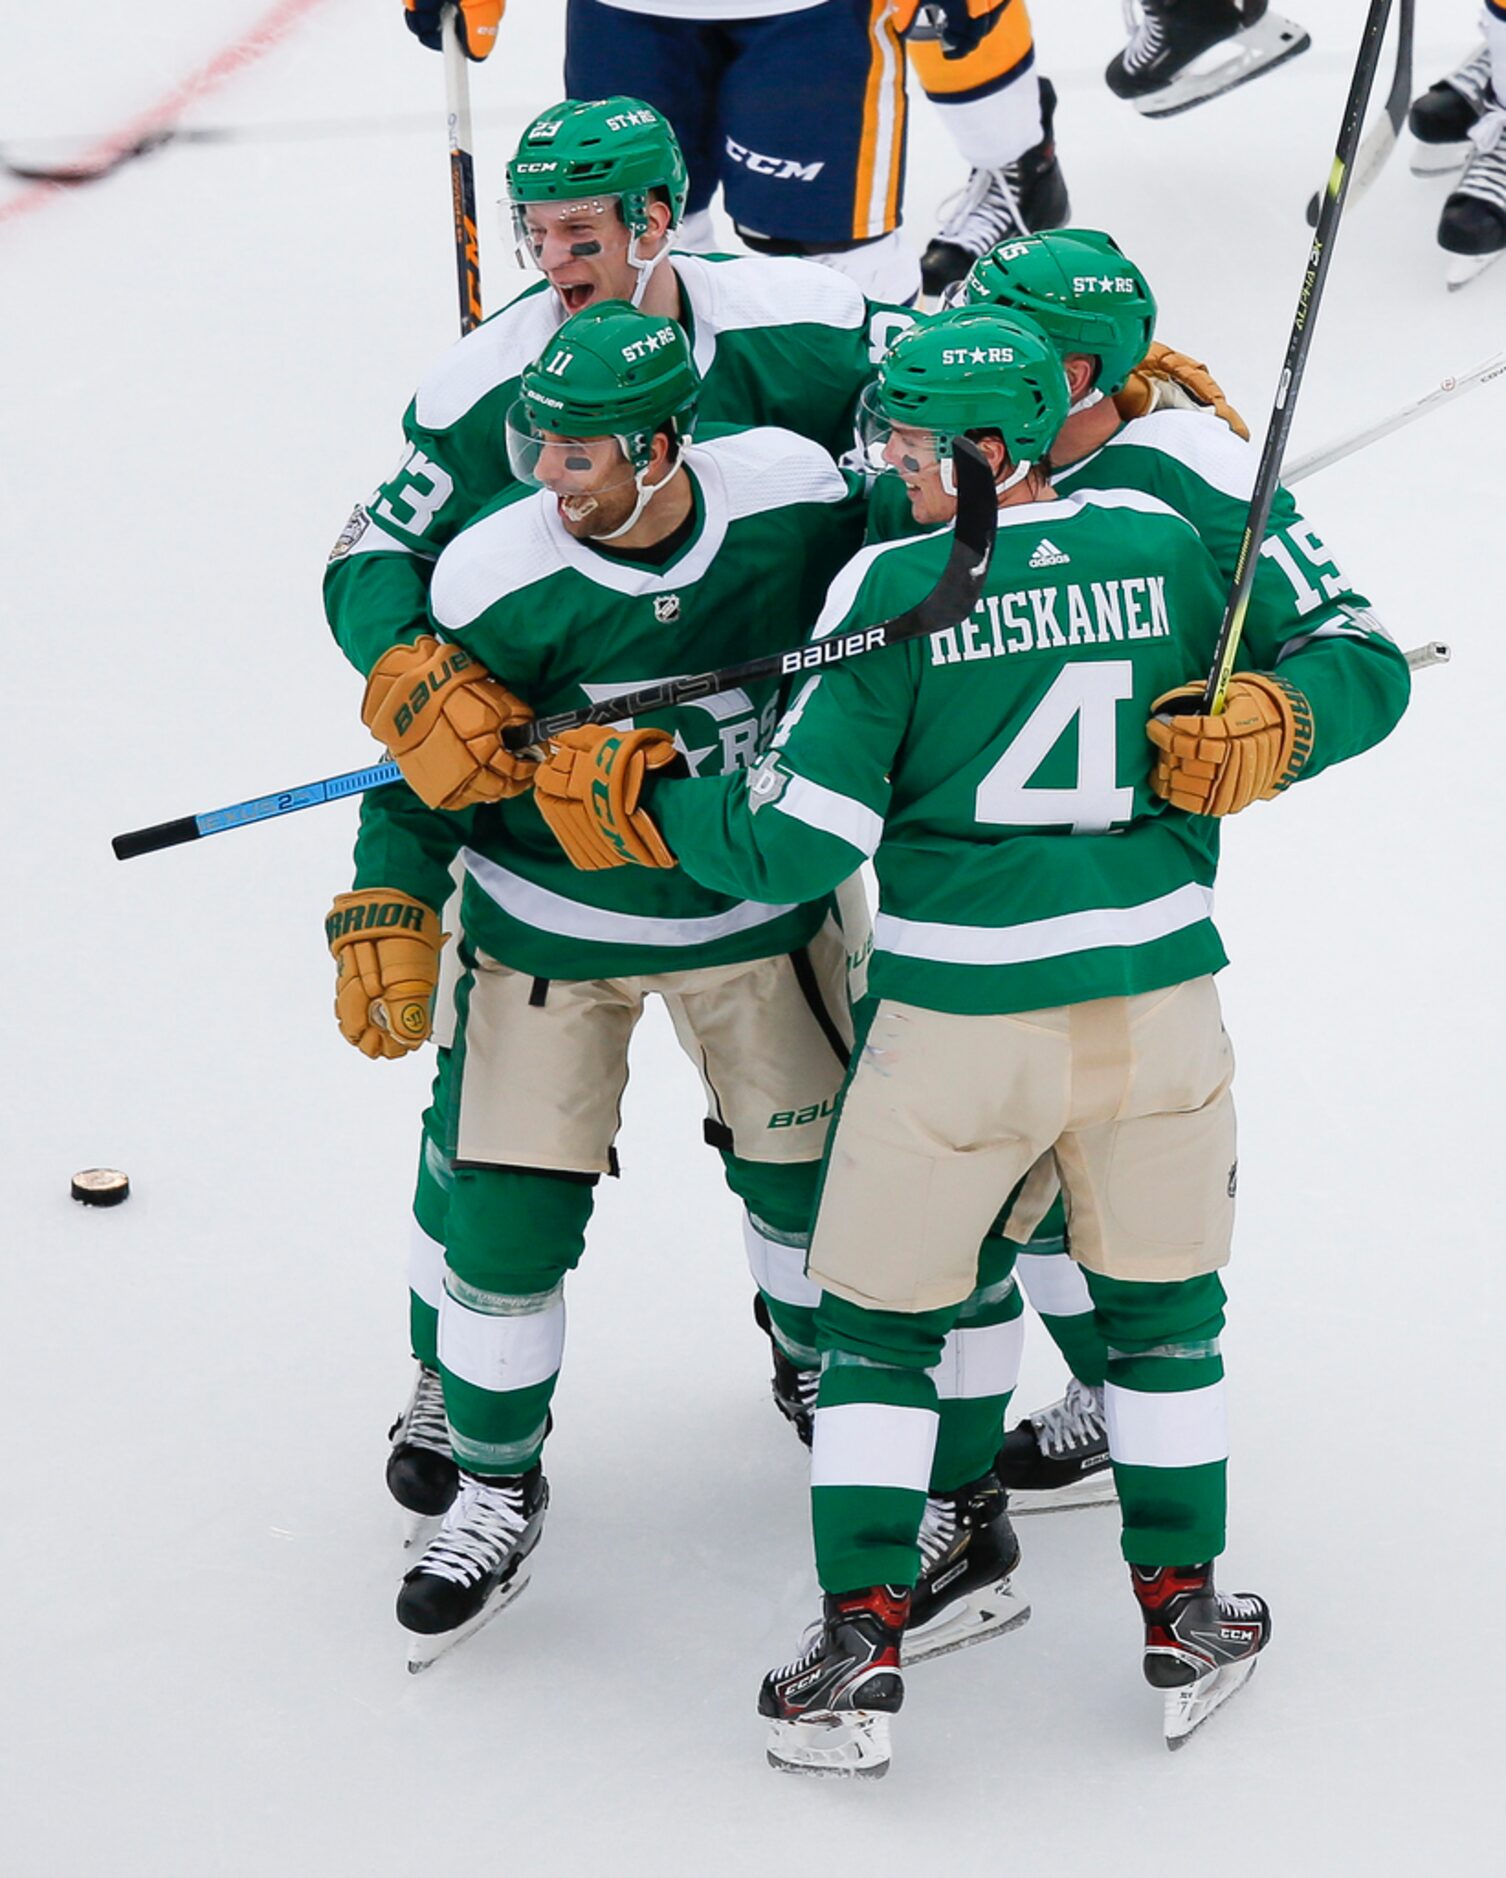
(1074,1422)
(938,1528)
(811,1646)
(1472,80)
(423,1423)
(1485,174)
(1238,1606)
(983,213)
(1147,36)
(480,1529)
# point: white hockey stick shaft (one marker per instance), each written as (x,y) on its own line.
(457,90)
(1435,652)
(1441,394)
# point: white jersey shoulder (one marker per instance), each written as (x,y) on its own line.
(743,291)
(843,591)
(500,554)
(1199,440)
(769,468)
(498,350)
(1137,499)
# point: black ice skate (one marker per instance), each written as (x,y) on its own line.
(1058,1458)
(1442,118)
(1200,1644)
(830,1708)
(1027,194)
(1183,52)
(967,1552)
(421,1473)
(1472,229)
(474,1568)
(794,1389)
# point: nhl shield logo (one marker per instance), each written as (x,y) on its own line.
(667,608)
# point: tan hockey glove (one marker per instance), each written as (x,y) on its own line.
(387,948)
(588,790)
(1256,747)
(1167,380)
(442,714)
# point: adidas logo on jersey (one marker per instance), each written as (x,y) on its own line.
(1047,554)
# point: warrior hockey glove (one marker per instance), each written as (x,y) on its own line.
(387,948)
(959,24)
(475,20)
(588,789)
(1168,381)
(1254,749)
(442,716)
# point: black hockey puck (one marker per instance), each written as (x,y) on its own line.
(101,1186)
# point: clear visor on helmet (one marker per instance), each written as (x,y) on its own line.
(885,443)
(566,466)
(573,231)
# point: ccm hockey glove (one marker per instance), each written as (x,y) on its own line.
(1256,747)
(442,715)
(1166,380)
(588,789)
(475,20)
(386,945)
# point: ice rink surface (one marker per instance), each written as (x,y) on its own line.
(206,358)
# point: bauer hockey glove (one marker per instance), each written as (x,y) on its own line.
(442,715)
(1256,747)
(588,789)
(386,946)
(475,20)
(1166,380)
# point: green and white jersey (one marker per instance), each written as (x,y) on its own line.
(996,772)
(564,625)
(1303,611)
(779,342)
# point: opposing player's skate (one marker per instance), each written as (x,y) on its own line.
(474,1568)
(1027,194)
(1472,229)
(1184,52)
(830,1708)
(968,1552)
(793,1388)
(1201,1645)
(421,1472)
(1442,118)
(1058,1458)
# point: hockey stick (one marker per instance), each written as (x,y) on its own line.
(1299,341)
(950,600)
(1340,447)
(1375,151)
(457,92)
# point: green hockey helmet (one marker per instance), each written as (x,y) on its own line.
(599,151)
(967,369)
(1082,292)
(609,373)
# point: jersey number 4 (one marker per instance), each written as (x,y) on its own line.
(1090,695)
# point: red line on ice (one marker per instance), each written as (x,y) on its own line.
(261,38)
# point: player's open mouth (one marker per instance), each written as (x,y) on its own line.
(577,508)
(576,295)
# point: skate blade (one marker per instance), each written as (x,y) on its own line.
(1187,1709)
(423,1651)
(1092,1490)
(1233,62)
(1437,159)
(1463,268)
(420,1529)
(991,1612)
(852,1745)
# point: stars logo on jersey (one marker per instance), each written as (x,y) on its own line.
(351,533)
(667,608)
(1047,554)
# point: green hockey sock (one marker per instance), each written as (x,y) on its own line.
(779,1199)
(1058,1292)
(979,1367)
(431,1199)
(1164,1404)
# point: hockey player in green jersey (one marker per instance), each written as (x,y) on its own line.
(1041,982)
(597,190)
(625,550)
(1146,419)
